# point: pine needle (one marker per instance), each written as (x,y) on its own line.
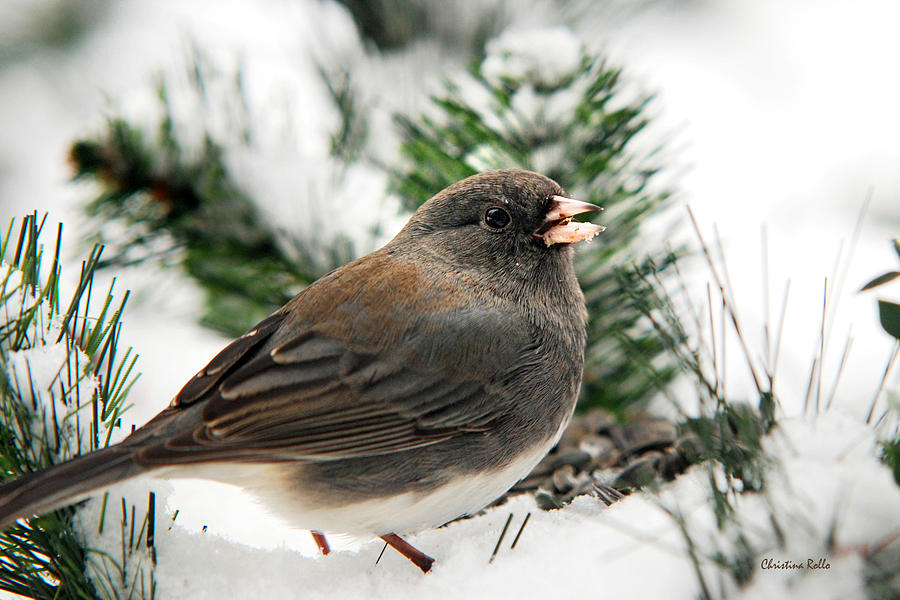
(31,309)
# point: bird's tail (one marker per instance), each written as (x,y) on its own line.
(65,483)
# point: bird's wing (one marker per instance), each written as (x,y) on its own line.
(314,396)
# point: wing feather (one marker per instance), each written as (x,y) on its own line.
(304,405)
(230,356)
(300,390)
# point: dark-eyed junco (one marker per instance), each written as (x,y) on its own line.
(410,387)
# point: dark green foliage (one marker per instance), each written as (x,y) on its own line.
(732,437)
(727,433)
(595,161)
(28,568)
(348,142)
(881,280)
(740,562)
(181,208)
(889,312)
(388,23)
(37,555)
(394,24)
(184,210)
(890,454)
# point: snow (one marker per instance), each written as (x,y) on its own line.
(49,376)
(823,475)
(38,370)
(781,111)
(540,56)
(115,543)
(822,469)
(828,478)
(781,125)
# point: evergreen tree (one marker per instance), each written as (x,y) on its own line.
(570,117)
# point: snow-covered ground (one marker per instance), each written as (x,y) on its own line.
(781,113)
(633,549)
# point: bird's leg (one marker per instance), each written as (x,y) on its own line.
(419,558)
(321,542)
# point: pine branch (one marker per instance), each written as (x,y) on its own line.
(51,411)
(349,141)
(578,126)
(179,207)
(588,145)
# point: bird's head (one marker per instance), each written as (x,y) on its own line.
(501,217)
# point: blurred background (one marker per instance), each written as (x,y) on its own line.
(775,121)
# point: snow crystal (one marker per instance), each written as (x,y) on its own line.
(540,66)
(39,378)
(487,156)
(11,294)
(318,201)
(543,57)
(114,526)
(49,378)
(560,104)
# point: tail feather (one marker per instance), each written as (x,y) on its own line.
(65,483)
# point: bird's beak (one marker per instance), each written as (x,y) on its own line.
(558,227)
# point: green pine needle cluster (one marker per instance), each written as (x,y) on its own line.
(592,154)
(43,557)
(179,207)
(728,432)
(729,435)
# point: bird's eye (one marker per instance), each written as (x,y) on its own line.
(496,218)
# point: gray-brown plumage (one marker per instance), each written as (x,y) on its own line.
(409,387)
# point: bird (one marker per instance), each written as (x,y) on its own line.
(403,390)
